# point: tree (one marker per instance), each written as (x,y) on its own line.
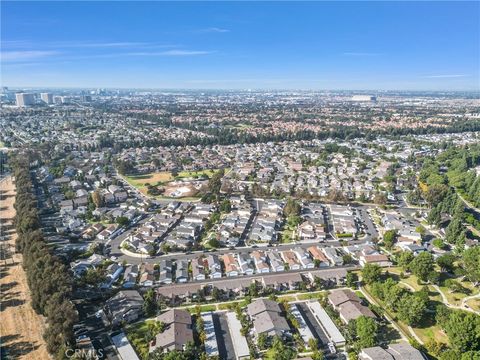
(225,206)
(422,265)
(280,351)
(380,198)
(404,260)
(347,259)
(351,279)
(149,304)
(262,341)
(216,294)
(411,309)
(97,198)
(124,167)
(389,238)
(463,330)
(471,264)
(446,262)
(122,221)
(371,273)
(392,295)
(292,208)
(366,330)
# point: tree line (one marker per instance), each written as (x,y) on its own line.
(48,278)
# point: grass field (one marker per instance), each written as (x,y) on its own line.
(164,177)
(139,181)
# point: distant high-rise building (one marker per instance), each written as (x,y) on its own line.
(364,98)
(47,98)
(24,99)
(86,98)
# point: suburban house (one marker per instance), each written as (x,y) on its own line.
(267,318)
(130,276)
(349,305)
(291,259)
(124,306)
(214,266)
(318,256)
(259,259)
(400,351)
(178,331)
(231,265)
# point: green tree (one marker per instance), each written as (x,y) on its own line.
(351,279)
(446,262)
(371,273)
(150,303)
(366,330)
(262,341)
(389,238)
(280,351)
(463,330)
(404,260)
(422,265)
(411,309)
(471,264)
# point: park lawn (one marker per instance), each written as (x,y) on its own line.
(164,177)
(454,298)
(431,333)
(197,173)
(411,280)
(139,181)
(474,304)
(136,335)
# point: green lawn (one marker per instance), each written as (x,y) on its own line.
(203,308)
(190,174)
(315,295)
(474,304)
(231,304)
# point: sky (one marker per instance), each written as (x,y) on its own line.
(430,45)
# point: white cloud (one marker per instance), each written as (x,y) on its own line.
(26,55)
(447,76)
(214,30)
(170,53)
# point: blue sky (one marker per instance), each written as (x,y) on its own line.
(240,45)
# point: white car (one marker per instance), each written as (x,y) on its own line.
(331,347)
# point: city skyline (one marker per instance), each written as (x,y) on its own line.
(317,46)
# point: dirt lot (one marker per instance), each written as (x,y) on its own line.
(20,327)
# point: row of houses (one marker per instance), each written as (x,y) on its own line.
(234,224)
(267,222)
(233,287)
